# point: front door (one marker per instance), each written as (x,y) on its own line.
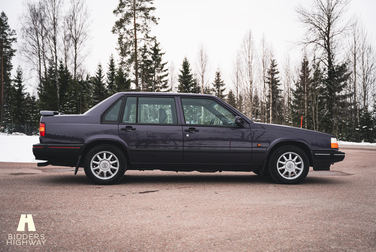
(211,134)
(150,128)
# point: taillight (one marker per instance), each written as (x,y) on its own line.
(334,143)
(42,129)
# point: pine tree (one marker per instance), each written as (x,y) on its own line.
(121,82)
(7,38)
(111,76)
(71,105)
(301,96)
(47,91)
(196,89)
(65,82)
(219,86)
(99,89)
(159,74)
(32,115)
(85,94)
(256,107)
(317,91)
(187,84)
(336,100)
(367,127)
(145,70)
(19,103)
(274,96)
(231,99)
(133,25)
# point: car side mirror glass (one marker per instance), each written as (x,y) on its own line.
(239,121)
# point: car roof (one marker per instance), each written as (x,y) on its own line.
(167,94)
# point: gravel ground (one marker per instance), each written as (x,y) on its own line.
(167,211)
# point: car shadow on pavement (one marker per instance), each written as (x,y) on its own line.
(140,178)
(322,180)
(185,178)
(66,179)
(197,178)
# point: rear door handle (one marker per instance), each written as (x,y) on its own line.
(128,129)
(191,130)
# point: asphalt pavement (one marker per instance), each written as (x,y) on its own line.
(190,211)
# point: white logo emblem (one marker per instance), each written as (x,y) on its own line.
(26,218)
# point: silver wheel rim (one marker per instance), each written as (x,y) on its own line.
(104,165)
(290,165)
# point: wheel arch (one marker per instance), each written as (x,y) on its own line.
(298,144)
(113,142)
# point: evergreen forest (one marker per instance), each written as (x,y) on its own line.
(332,90)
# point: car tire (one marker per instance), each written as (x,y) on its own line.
(105,164)
(288,165)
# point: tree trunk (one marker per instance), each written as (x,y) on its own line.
(135,45)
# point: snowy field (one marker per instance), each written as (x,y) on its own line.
(18,147)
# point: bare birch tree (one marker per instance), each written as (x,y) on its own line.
(287,89)
(53,13)
(237,81)
(202,68)
(354,58)
(265,59)
(367,71)
(77,23)
(249,54)
(363,62)
(34,35)
(325,25)
(172,77)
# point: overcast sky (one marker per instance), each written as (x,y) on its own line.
(219,26)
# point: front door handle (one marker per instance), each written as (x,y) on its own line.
(128,129)
(191,130)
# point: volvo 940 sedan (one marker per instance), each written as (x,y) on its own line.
(178,132)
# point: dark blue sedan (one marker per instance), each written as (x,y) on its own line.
(178,132)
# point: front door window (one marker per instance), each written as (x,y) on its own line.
(206,112)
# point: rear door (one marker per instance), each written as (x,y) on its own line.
(150,128)
(211,135)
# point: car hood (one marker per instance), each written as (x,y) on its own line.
(271,134)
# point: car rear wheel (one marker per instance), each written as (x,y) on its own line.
(105,164)
(289,165)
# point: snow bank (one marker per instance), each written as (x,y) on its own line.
(356,144)
(17,148)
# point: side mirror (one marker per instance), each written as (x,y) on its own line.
(239,121)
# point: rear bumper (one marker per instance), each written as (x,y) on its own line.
(323,159)
(58,154)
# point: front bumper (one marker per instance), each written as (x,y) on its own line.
(323,159)
(58,154)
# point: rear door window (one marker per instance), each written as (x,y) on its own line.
(150,110)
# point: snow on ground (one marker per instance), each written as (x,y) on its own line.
(18,147)
(355,144)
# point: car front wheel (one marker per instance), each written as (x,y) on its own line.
(105,164)
(289,165)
